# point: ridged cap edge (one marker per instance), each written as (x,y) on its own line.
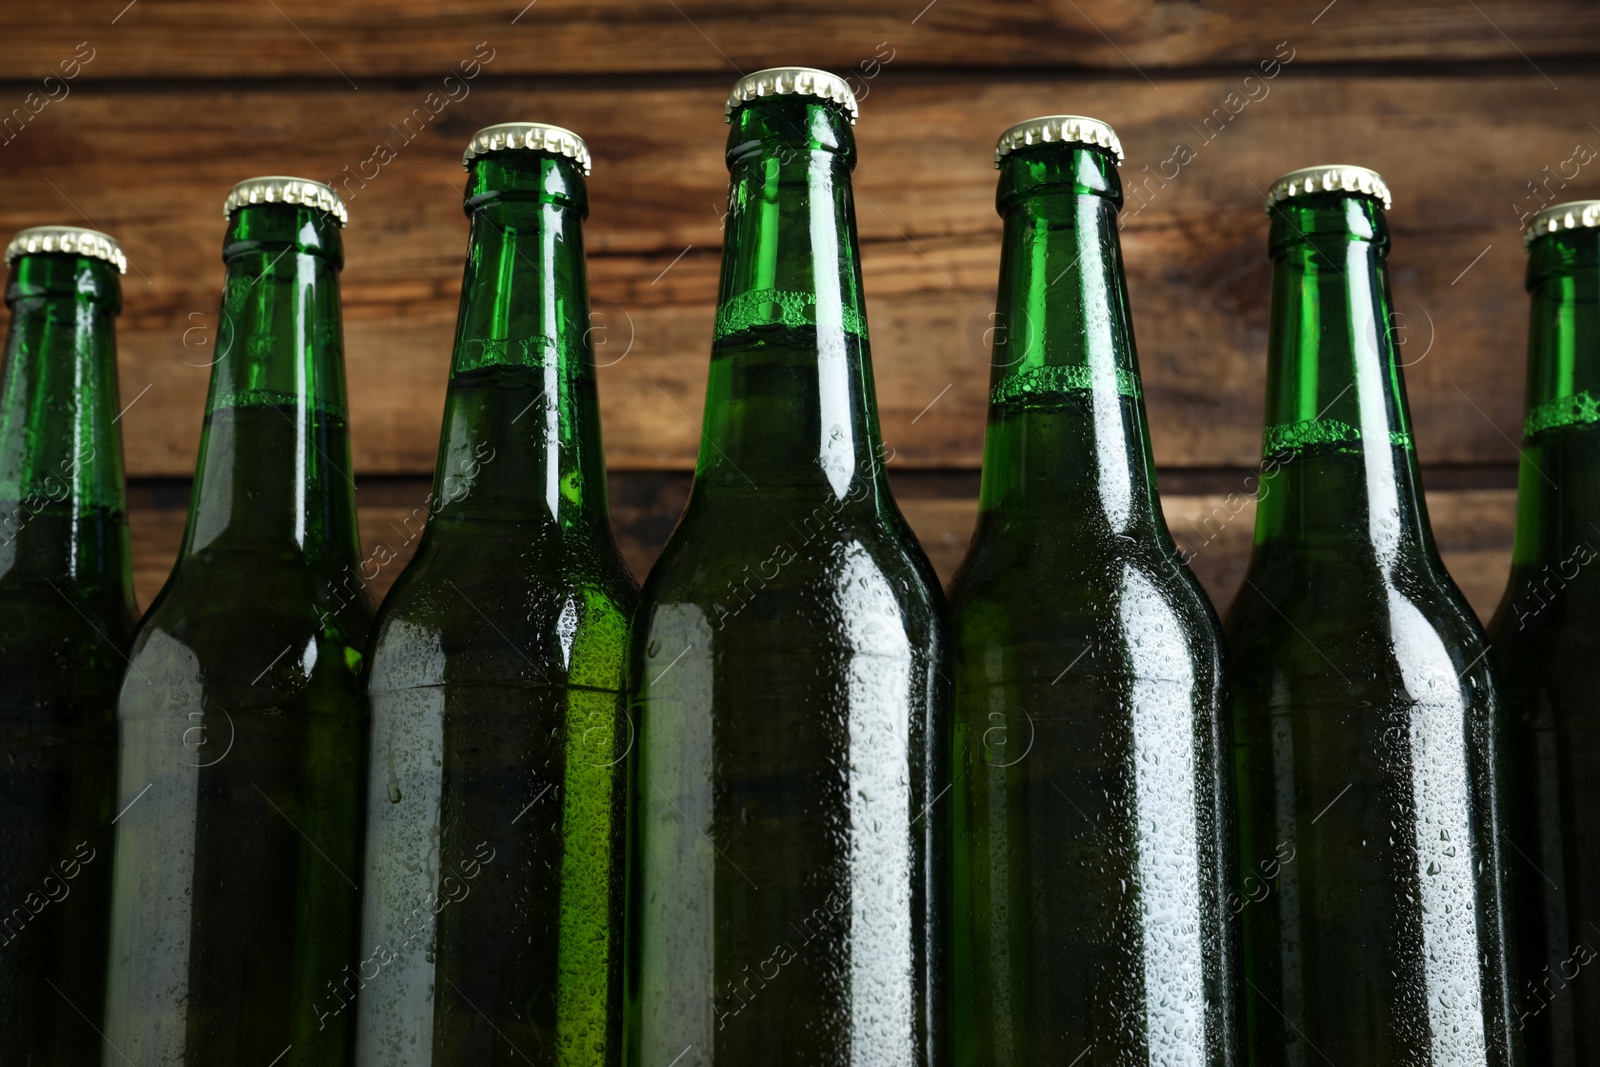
(1058,129)
(282,189)
(72,240)
(1573,215)
(538,136)
(797,81)
(1329,178)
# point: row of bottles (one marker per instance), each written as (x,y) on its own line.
(786,805)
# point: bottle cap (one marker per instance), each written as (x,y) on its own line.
(1329,178)
(1576,214)
(69,239)
(537,136)
(1058,129)
(799,81)
(278,189)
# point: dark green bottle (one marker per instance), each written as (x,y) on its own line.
(787,887)
(497,793)
(1093,804)
(1546,638)
(234,899)
(1365,712)
(66,617)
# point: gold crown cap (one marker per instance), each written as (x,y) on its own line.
(282,189)
(1574,215)
(536,136)
(793,81)
(1329,178)
(72,240)
(1058,129)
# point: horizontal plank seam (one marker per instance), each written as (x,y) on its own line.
(1581,63)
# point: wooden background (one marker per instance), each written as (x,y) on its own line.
(1476,111)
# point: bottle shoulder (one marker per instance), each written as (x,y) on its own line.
(1128,611)
(506,574)
(1340,590)
(240,622)
(1076,581)
(266,580)
(1357,635)
(804,559)
(1546,641)
(1549,604)
(241,660)
(767,589)
(466,613)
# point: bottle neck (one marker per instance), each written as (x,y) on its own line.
(1558,491)
(274,473)
(1066,438)
(789,400)
(1338,470)
(62,508)
(521,438)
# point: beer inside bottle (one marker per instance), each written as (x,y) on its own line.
(1546,637)
(785,894)
(1093,795)
(1365,711)
(66,617)
(493,893)
(234,898)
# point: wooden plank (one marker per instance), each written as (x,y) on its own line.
(1473,528)
(152,166)
(356,41)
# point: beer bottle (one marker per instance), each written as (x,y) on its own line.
(238,847)
(66,617)
(788,660)
(1365,710)
(1092,798)
(1546,637)
(497,802)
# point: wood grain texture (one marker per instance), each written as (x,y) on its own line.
(360,40)
(152,163)
(1473,528)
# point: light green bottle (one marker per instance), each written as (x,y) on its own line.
(1093,792)
(1546,637)
(788,674)
(1366,715)
(497,802)
(234,899)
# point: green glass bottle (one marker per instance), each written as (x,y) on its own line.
(497,785)
(1093,813)
(1546,637)
(66,618)
(239,845)
(1365,713)
(789,653)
